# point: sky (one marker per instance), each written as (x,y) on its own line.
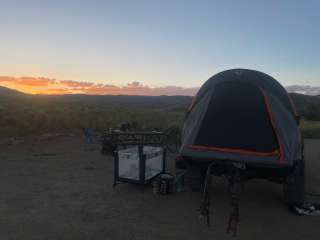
(155,45)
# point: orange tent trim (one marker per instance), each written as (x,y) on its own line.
(233,150)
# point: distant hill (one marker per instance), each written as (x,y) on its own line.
(166,102)
(22,114)
(307,106)
(301,101)
(7,92)
(163,102)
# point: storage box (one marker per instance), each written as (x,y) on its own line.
(138,164)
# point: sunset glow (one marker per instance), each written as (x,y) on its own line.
(52,86)
(153,47)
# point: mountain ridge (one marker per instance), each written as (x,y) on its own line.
(25,114)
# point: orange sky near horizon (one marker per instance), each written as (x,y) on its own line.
(43,85)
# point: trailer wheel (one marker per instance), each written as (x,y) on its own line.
(294,184)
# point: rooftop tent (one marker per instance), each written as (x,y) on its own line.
(242,115)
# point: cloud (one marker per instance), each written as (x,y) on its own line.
(75,84)
(304,89)
(28,81)
(52,86)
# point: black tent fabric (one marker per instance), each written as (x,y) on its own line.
(242,115)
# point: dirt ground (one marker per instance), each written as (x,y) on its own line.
(62,189)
